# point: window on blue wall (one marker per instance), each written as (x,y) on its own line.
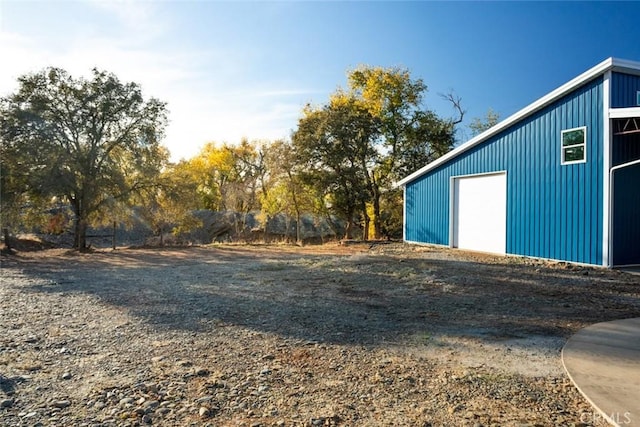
(638,98)
(574,145)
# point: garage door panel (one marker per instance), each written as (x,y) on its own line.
(480,213)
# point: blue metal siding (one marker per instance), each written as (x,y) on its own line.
(625,148)
(553,211)
(427,210)
(624,89)
(626,192)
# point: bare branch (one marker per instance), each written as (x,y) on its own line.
(456,102)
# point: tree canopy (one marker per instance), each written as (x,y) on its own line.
(92,145)
(366,138)
(91,142)
(479,125)
(335,146)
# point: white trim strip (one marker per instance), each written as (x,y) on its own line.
(606,65)
(469,175)
(626,66)
(452,210)
(454,207)
(624,113)
(606,165)
(404,214)
(624,165)
(452,202)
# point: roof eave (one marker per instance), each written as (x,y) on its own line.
(601,68)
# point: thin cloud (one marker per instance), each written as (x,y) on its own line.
(135,16)
(21,56)
(209,96)
(285,92)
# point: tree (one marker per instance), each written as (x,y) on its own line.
(248,174)
(13,203)
(211,169)
(335,147)
(9,193)
(230,177)
(369,136)
(92,142)
(479,125)
(410,134)
(168,206)
(287,193)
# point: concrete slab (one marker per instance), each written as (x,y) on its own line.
(603,361)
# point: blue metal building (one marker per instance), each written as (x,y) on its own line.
(560,179)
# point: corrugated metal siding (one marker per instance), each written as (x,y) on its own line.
(625,148)
(427,210)
(553,211)
(626,189)
(624,89)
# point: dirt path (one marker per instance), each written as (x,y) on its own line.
(274,335)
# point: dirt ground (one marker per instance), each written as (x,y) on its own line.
(382,334)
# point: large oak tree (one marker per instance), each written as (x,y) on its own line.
(411,135)
(91,142)
(334,145)
(369,136)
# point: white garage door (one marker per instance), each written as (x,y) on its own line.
(480,213)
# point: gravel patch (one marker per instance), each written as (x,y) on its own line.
(283,336)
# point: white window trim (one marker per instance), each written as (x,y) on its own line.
(562,147)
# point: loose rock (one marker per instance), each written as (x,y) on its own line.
(61,404)
(275,335)
(204,412)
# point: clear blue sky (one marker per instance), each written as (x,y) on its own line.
(245,69)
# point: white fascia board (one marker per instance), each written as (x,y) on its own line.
(624,113)
(607,64)
(626,66)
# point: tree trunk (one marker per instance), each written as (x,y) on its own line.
(7,240)
(367,221)
(80,238)
(296,206)
(347,231)
(287,225)
(113,237)
(377,223)
(80,224)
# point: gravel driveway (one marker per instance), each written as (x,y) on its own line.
(359,335)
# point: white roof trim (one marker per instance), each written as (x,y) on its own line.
(624,113)
(607,64)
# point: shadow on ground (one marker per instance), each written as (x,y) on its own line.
(362,298)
